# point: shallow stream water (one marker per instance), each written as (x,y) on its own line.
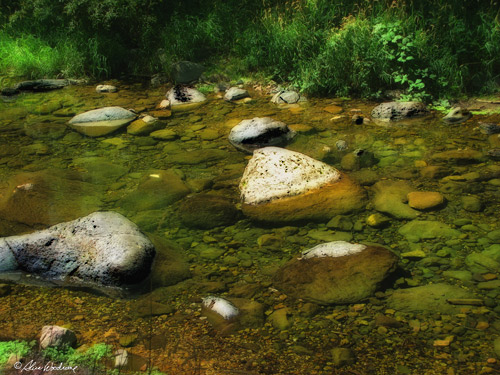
(163,321)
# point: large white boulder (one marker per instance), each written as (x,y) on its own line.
(101,121)
(103,248)
(184,98)
(280,185)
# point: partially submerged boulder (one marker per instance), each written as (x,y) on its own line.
(102,121)
(391,111)
(457,115)
(279,185)
(336,273)
(235,93)
(259,132)
(287,97)
(184,98)
(57,337)
(103,248)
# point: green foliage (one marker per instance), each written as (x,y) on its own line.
(427,49)
(88,359)
(14,347)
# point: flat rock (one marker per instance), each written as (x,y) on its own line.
(103,248)
(428,298)
(102,121)
(417,230)
(389,199)
(198,156)
(282,185)
(425,200)
(171,265)
(391,111)
(259,132)
(336,273)
(41,85)
(459,156)
(235,93)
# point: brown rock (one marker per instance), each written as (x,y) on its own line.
(336,280)
(320,204)
(333,109)
(425,200)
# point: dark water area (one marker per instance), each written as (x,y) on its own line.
(437,313)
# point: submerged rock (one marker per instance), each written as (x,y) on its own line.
(390,197)
(103,248)
(157,189)
(426,229)
(102,121)
(457,115)
(429,298)
(207,211)
(184,97)
(336,273)
(391,111)
(235,93)
(425,200)
(259,132)
(459,156)
(279,185)
(48,197)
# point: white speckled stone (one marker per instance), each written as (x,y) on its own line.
(274,173)
(333,249)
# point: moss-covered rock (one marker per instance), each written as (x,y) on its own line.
(207,211)
(170,265)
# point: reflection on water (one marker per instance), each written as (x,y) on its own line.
(181,187)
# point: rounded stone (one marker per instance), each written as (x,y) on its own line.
(398,110)
(235,93)
(207,211)
(425,200)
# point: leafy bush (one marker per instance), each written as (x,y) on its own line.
(91,358)
(13,347)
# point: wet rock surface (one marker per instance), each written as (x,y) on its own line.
(399,110)
(101,121)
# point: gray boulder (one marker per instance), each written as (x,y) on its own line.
(287,97)
(235,93)
(259,132)
(186,71)
(457,115)
(391,111)
(103,248)
(101,121)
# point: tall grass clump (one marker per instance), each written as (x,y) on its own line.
(30,57)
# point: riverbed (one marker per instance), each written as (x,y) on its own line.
(163,323)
